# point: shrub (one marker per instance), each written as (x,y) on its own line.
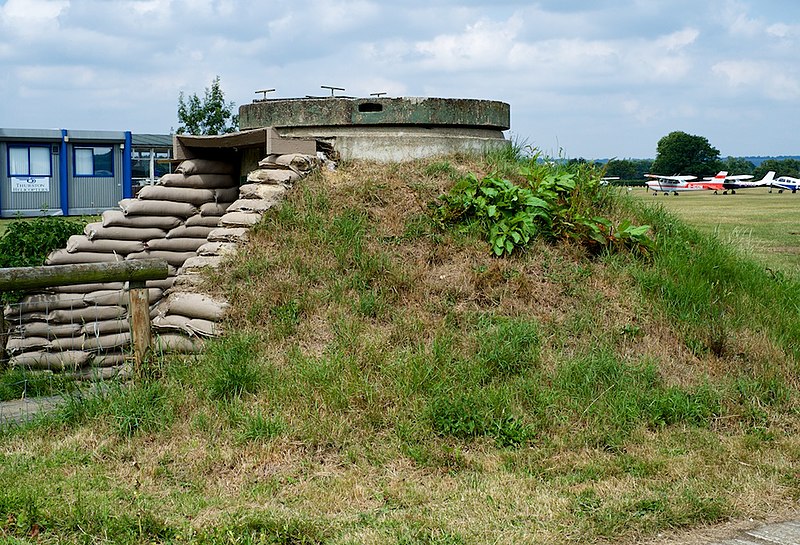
(26,243)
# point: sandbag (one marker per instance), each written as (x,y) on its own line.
(200,220)
(93,373)
(176,244)
(182,231)
(240,219)
(141,207)
(63,257)
(177,194)
(228,234)
(205,166)
(216,249)
(95,231)
(193,305)
(118,297)
(43,302)
(67,343)
(199,181)
(272,176)
(99,343)
(195,264)
(104,343)
(106,327)
(88,314)
(176,259)
(81,243)
(298,161)
(57,361)
(177,344)
(215,208)
(15,345)
(190,280)
(226,195)
(86,288)
(191,326)
(261,191)
(43,329)
(110,360)
(163,284)
(251,205)
(117,218)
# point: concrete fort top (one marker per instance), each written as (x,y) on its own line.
(404,111)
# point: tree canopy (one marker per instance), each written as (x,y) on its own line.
(782,167)
(211,115)
(682,153)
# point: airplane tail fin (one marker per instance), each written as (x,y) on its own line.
(769,177)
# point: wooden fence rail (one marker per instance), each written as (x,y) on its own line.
(136,272)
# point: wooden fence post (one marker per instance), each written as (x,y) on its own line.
(140,324)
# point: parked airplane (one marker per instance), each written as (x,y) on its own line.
(787,183)
(740,181)
(674,184)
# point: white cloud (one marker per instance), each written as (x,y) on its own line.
(483,44)
(773,81)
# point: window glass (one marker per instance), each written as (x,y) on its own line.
(18,161)
(94,161)
(40,161)
(84,162)
(104,161)
(29,161)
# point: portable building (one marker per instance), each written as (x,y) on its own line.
(66,172)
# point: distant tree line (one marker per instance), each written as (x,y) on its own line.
(682,153)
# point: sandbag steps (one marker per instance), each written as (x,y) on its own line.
(193,219)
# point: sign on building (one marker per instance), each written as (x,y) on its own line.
(30,184)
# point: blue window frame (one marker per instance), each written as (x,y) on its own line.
(93,161)
(29,161)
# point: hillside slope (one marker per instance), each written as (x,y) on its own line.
(385,379)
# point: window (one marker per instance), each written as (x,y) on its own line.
(94,161)
(29,161)
(149,164)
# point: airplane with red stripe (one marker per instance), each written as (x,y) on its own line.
(674,184)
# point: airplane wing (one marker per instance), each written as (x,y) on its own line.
(684,178)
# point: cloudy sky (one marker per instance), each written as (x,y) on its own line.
(599,78)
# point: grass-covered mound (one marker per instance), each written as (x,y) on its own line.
(387,379)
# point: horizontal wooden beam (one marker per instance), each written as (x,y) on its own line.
(29,278)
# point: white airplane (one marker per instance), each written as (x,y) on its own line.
(785,183)
(740,181)
(674,184)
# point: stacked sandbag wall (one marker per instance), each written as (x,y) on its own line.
(185,309)
(192,219)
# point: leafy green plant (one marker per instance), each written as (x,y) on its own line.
(505,211)
(553,204)
(27,242)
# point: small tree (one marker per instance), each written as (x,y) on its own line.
(682,153)
(211,115)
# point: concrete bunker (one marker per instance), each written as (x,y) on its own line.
(384,129)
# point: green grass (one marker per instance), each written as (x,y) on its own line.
(761,224)
(387,381)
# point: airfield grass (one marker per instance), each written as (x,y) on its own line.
(387,381)
(763,225)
